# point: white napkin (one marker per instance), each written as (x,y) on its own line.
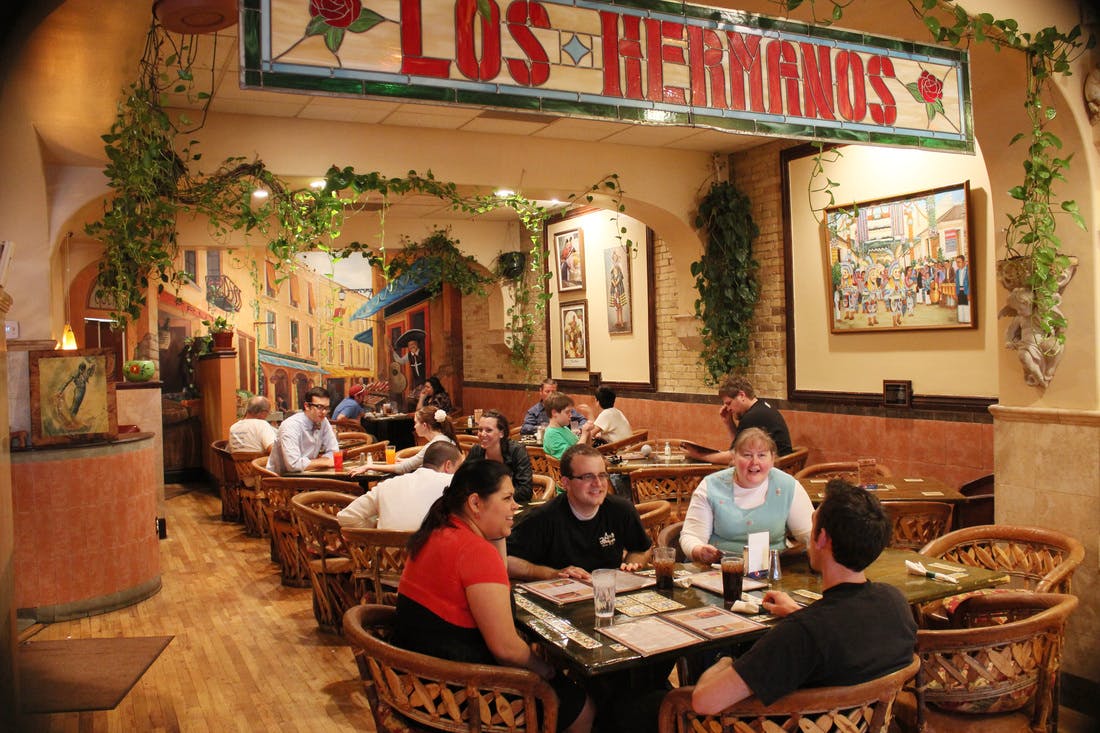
(745,607)
(917,568)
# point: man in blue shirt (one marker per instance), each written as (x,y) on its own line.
(305,439)
(538,416)
(351,407)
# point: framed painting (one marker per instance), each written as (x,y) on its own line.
(902,263)
(72,397)
(574,335)
(569,260)
(616,265)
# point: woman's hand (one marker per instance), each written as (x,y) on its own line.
(706,554)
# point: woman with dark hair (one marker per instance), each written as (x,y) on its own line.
(432,394)
(431,424)
(494,445)
(454,600)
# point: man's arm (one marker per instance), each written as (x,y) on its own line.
(520,569)
(531,420)
(635,561)
(363,512)
(718,687)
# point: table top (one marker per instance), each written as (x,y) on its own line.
(632,461)
(377,416)
(899,488)
(569,632)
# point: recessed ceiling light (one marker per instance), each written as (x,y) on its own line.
(504,192)
(259,193)
(318,184)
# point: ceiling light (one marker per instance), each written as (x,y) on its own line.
(318,184)
(504,192)
(260,193)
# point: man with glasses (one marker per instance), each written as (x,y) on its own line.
(305,439)
(578,531)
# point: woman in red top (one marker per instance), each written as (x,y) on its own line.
(454,598)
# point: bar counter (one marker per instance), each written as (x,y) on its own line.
(85,527)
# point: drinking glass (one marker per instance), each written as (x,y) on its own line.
(338,461)
(603,587)
(733,576)
(664,561)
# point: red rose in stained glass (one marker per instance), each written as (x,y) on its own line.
(337,13)
(931,88)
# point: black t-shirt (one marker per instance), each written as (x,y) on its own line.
(764,416)
(855,633)
(551,535)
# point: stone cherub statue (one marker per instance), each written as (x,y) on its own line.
(1039,355)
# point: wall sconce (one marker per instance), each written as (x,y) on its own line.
(68,338)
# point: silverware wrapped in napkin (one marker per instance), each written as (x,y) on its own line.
(917,568)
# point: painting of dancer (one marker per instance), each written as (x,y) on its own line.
(72,399)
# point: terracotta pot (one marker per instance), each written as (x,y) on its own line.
(223,341)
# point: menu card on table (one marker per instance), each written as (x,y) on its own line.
(712,580)
(713,622)
(569,590)
(650,635)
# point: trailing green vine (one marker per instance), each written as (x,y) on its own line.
(726,280)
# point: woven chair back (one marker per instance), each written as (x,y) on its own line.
(863,708)
(376,450)
(916,523)
(654,516)
(847,470)
(674,484)
(378,558)
(794,461)
(441,694)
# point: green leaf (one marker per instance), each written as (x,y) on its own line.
(367,19)
(334,38)
(317,26)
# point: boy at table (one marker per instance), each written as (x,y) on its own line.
(558,436)
(578,531)
(858,631)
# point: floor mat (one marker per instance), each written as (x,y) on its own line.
(70,675)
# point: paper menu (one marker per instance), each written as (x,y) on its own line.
(567,590)
(650,635)
(713,622)
(712,580)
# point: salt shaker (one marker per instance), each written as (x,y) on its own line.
(775,573)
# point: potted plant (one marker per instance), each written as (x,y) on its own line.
(221,331)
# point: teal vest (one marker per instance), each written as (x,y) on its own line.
(732,524)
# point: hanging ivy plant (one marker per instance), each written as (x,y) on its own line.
(726,280)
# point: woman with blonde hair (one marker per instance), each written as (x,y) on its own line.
(751,496)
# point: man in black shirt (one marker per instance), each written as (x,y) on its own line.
(580,530)
(857,632)
(742,409)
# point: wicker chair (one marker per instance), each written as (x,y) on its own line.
(862,708)
(466,442)
(1037,559)
(378,558)
(979,505)
(278,492)
(638,436)
(439,694)
(654,515)
(794,461)
(353,438)
(916,523)
(377,451)
(538,457)
(409,452)
(229,483)
(329,565)
(669,536)
(347,424)
(847,470)
(255,524)
(543,487)
(997,671)
(673,483)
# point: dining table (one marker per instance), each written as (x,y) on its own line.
(630,461)
(397,429)
(365,479)
(898,488)
(571,635)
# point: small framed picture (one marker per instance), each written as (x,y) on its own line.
(72,396)
(574,335)
(569,259)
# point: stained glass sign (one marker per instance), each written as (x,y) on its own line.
(639,61)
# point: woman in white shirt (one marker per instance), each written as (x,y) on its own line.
(431,424)
(751,496)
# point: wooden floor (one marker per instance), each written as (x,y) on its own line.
(247,655)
